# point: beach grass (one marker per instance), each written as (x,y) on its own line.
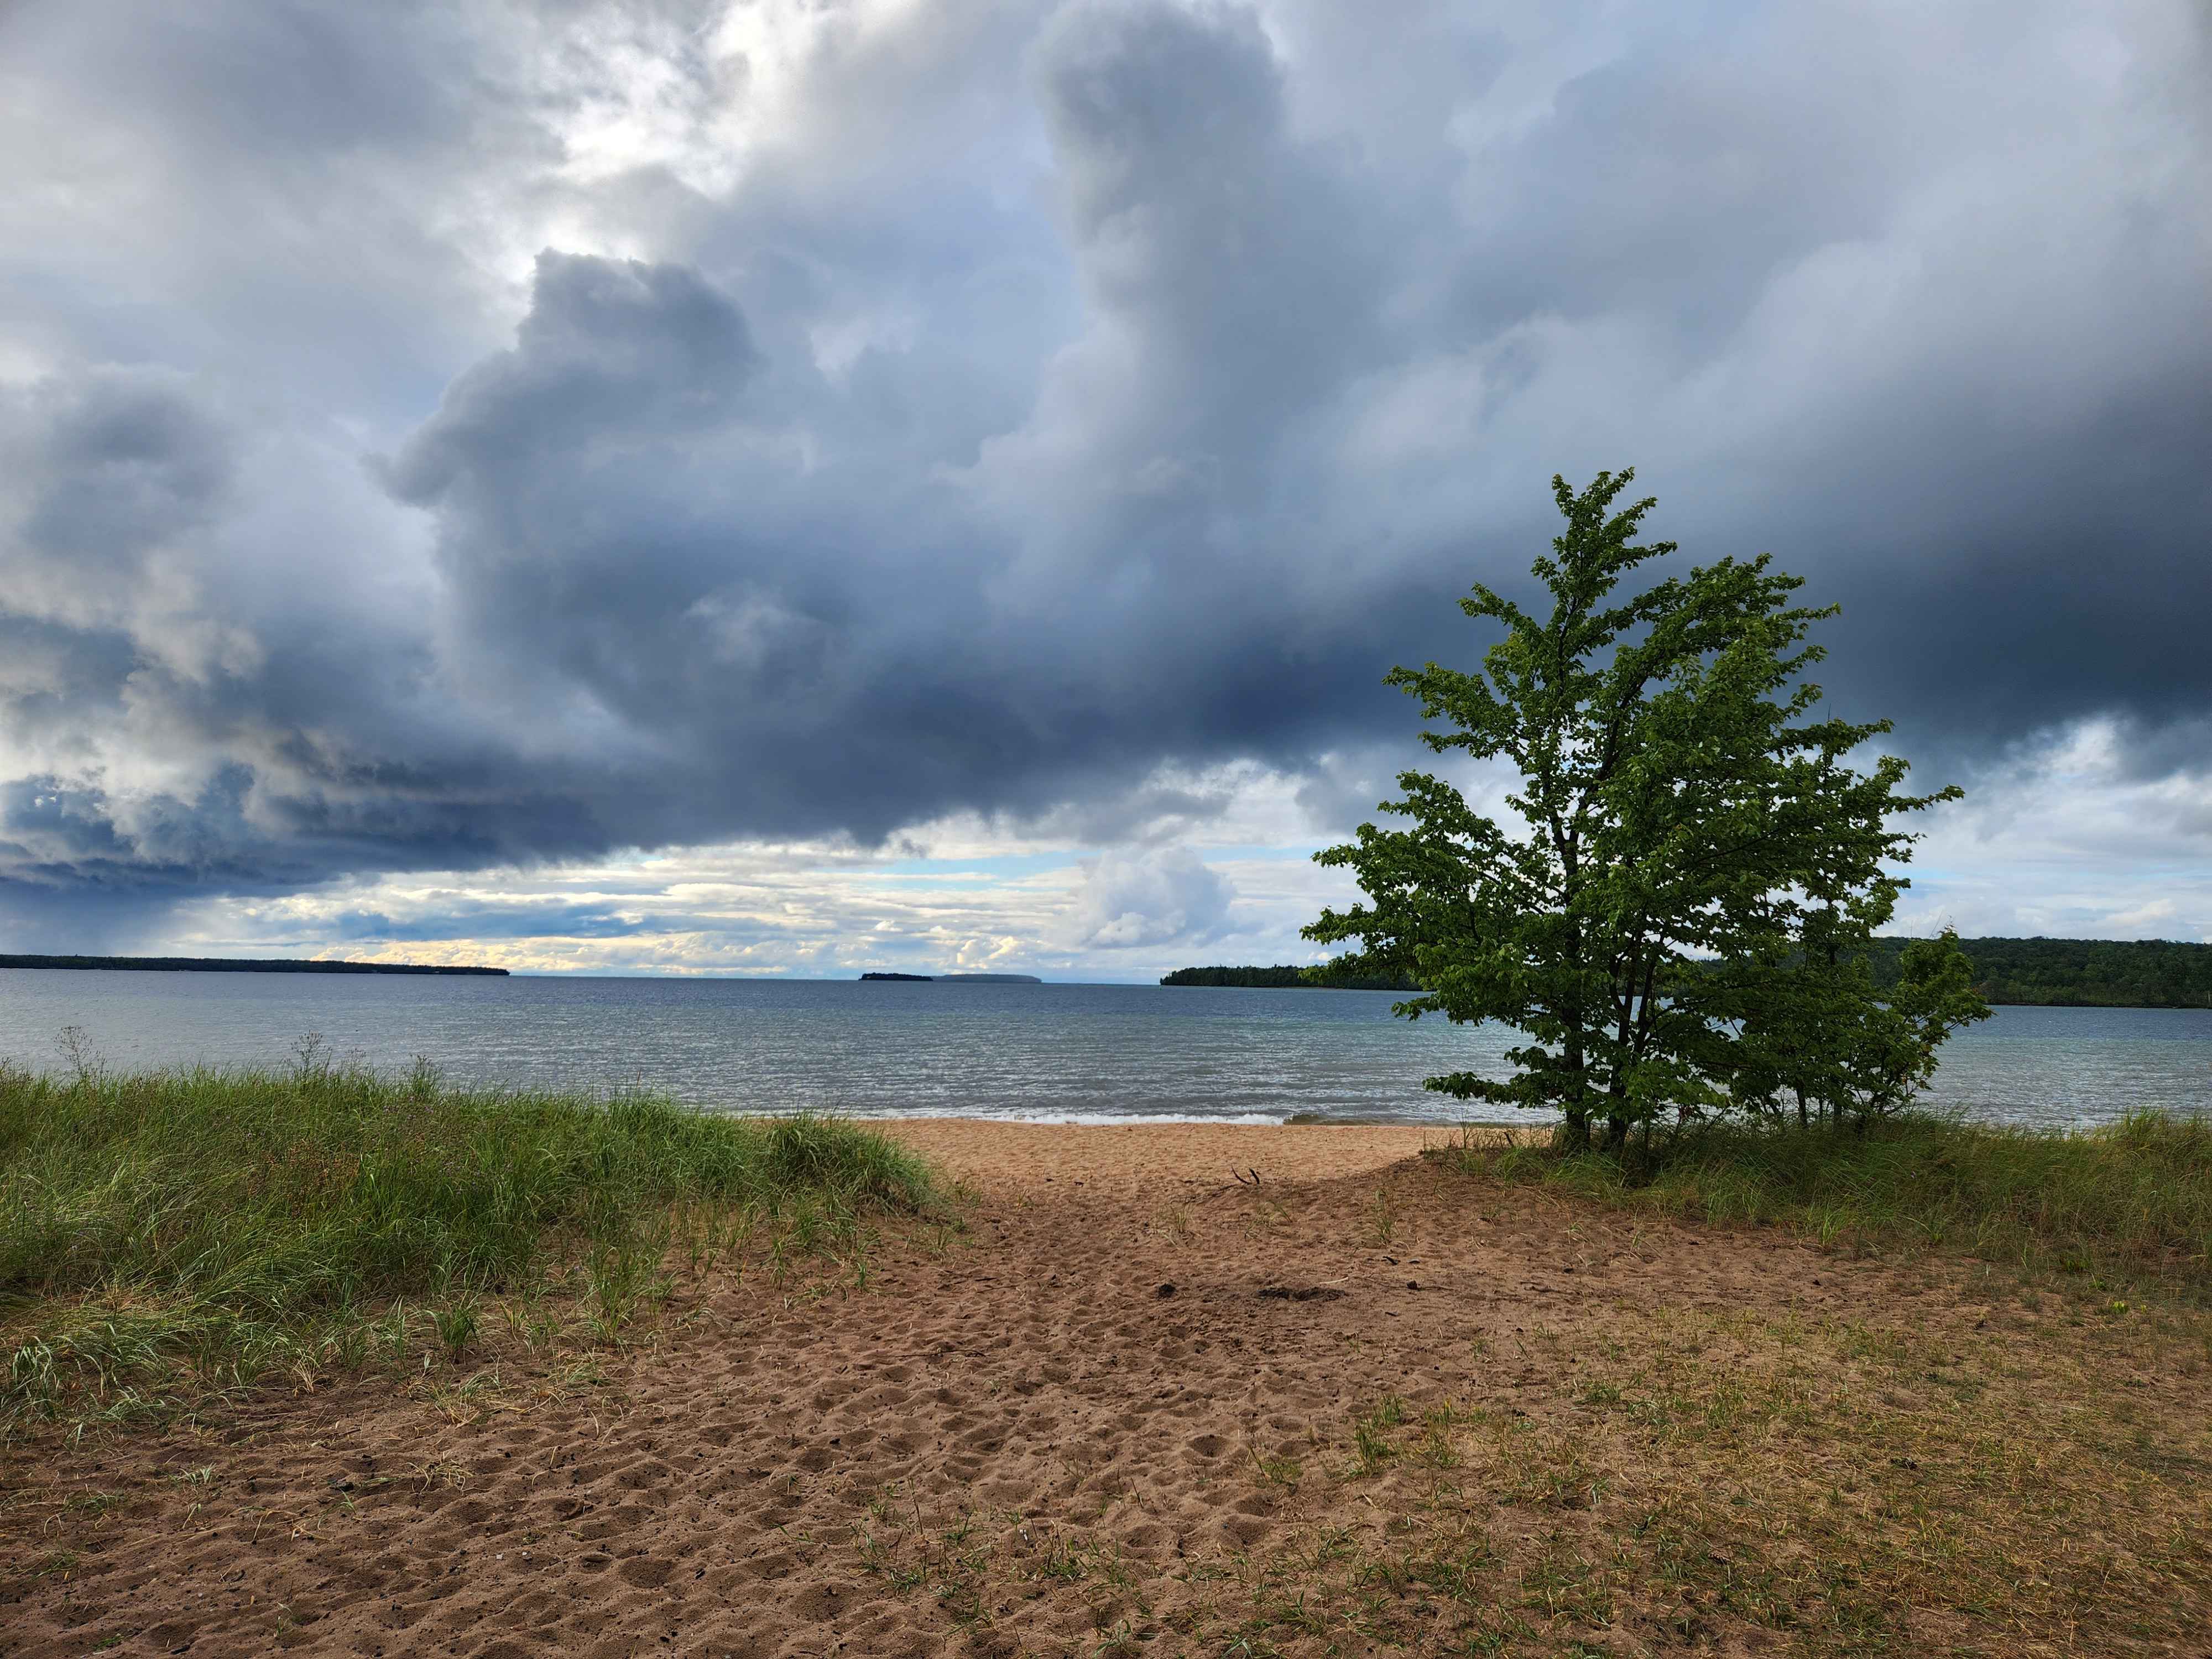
(2127,1203)
(167,1234)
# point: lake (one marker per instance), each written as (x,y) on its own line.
(1054,1052)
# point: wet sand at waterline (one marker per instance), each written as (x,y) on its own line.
(1170,1389)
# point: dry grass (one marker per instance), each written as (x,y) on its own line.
(1845,1490)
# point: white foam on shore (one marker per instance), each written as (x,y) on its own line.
(1084,1120)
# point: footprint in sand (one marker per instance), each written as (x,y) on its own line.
(1245,1529)
(644,1572)
(821,1603)
(776,1565)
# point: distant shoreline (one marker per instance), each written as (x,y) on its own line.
(2009,973)
(238,965)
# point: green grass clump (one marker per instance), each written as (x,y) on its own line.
(219,1222)
(2132,1199)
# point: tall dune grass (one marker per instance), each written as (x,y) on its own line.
(218,1223)
(2131,1201)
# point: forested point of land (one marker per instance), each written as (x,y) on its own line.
(1277,978)
(2082,973)
(2060,973)
(238,965)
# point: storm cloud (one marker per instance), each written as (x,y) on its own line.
(461,437)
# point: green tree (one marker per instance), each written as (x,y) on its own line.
(1678,802)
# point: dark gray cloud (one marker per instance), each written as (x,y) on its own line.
(464,916)
(465,437)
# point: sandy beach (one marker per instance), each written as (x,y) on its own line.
(1170,1389)
(1005,1157)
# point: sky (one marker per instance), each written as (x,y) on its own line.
(803,486)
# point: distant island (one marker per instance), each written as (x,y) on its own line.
(964,979)
(239,965)
(2042,972)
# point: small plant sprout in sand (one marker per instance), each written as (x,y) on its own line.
(1371,1433)
(456,1325)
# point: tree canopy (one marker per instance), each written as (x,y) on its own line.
(1680,800)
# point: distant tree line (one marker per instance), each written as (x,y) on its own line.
(1285,976)
(2048,973)
(2148,973)
(238,965)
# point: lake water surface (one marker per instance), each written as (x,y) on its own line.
(1067,1052)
